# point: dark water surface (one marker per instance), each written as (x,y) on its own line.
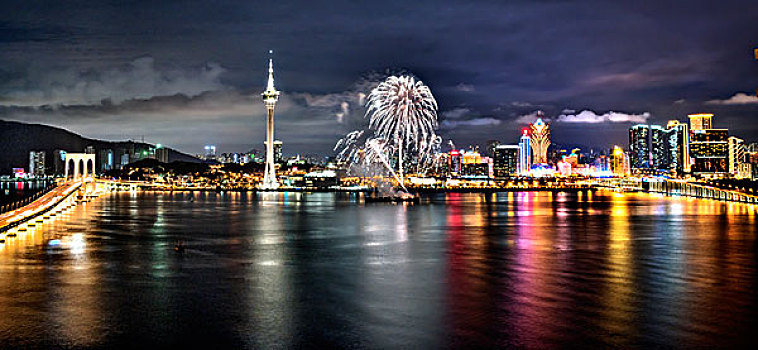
(323,270)
(11,191)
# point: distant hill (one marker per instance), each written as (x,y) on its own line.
(17,139)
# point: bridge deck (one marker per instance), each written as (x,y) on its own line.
(45,202)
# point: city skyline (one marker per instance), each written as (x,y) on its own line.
(423,174)
(197,73)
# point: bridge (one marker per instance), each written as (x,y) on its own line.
(684,188)
(33,210)
(30,213)
(675,187)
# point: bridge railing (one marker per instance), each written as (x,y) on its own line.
(6,207)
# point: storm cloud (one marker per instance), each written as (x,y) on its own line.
(188,74)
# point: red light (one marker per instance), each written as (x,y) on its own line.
(525,131)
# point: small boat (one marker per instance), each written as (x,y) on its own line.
(179,247)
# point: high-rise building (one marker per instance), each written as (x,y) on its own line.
(210,152)
(710,152)
(277,150)
(59,159)
(505,160)
(701,121)
(736,154)
(661,147)
(270,97)
(37,163)
(161,153)
(539,133)
(679,146)
(524,154)
(602,163)
(455,162)
(639,146)
(106,160)
(619,162)
(125,159)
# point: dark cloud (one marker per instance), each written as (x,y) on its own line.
(190,73)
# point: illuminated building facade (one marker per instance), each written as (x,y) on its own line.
(455,162)
(602,163)
(660,147)
(210,152)
(620,162)
(639,147)
(710,152)
(701,121)
(524,154)
(539,133)
(37,163)
(736,154)
(505,161)
(106,159)
(679,147)
(474,166)
(655,149)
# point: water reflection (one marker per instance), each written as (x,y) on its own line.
(326,270)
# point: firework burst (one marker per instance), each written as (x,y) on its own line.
(403,112)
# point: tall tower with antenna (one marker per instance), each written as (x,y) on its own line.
(270,96)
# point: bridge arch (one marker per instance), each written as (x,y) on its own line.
(81,164)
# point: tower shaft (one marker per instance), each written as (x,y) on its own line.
(269,176)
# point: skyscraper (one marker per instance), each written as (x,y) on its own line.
(210,152)
(710,151)
(736,154)
(277,151)
(106,160)
(701,121)
(639,148)
(680,147)
(660,147)
(59,156)
(455,162)
(524,154)
(270,96)
(620,162)
(37,163)
(505,159)
(539,133)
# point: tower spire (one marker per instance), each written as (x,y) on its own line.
(270,86)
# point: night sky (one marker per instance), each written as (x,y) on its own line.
(190,73)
